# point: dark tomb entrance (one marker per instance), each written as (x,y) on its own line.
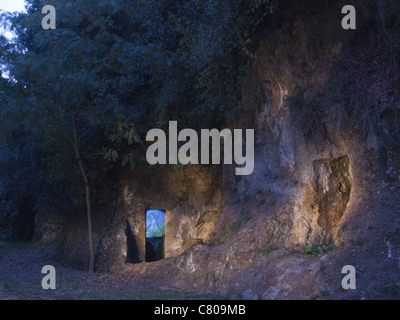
(155,234)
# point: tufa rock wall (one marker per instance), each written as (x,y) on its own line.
(191,197)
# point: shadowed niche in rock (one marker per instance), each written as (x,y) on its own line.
(132,254)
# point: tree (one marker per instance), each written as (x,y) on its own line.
(112,70)
(69,79)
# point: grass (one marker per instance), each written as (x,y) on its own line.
(30,289)
(9,247)
(322,294)
(316,249)
(235,225)
(237,200)
(392,288)
(265,250)
(262,202)
(244,217)
(211,276)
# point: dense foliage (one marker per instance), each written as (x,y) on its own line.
(113,69)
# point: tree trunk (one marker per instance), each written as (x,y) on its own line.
(89,216)
(83,172)
(87,191)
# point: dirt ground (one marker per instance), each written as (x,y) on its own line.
(239,267)
(20,279)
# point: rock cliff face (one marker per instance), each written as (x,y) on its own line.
(268,235)
(191,197)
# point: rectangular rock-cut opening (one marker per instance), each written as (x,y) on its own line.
(155,234)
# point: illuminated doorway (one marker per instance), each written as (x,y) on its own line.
(155,234)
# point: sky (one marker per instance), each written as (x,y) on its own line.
(11,6)
(153,218)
